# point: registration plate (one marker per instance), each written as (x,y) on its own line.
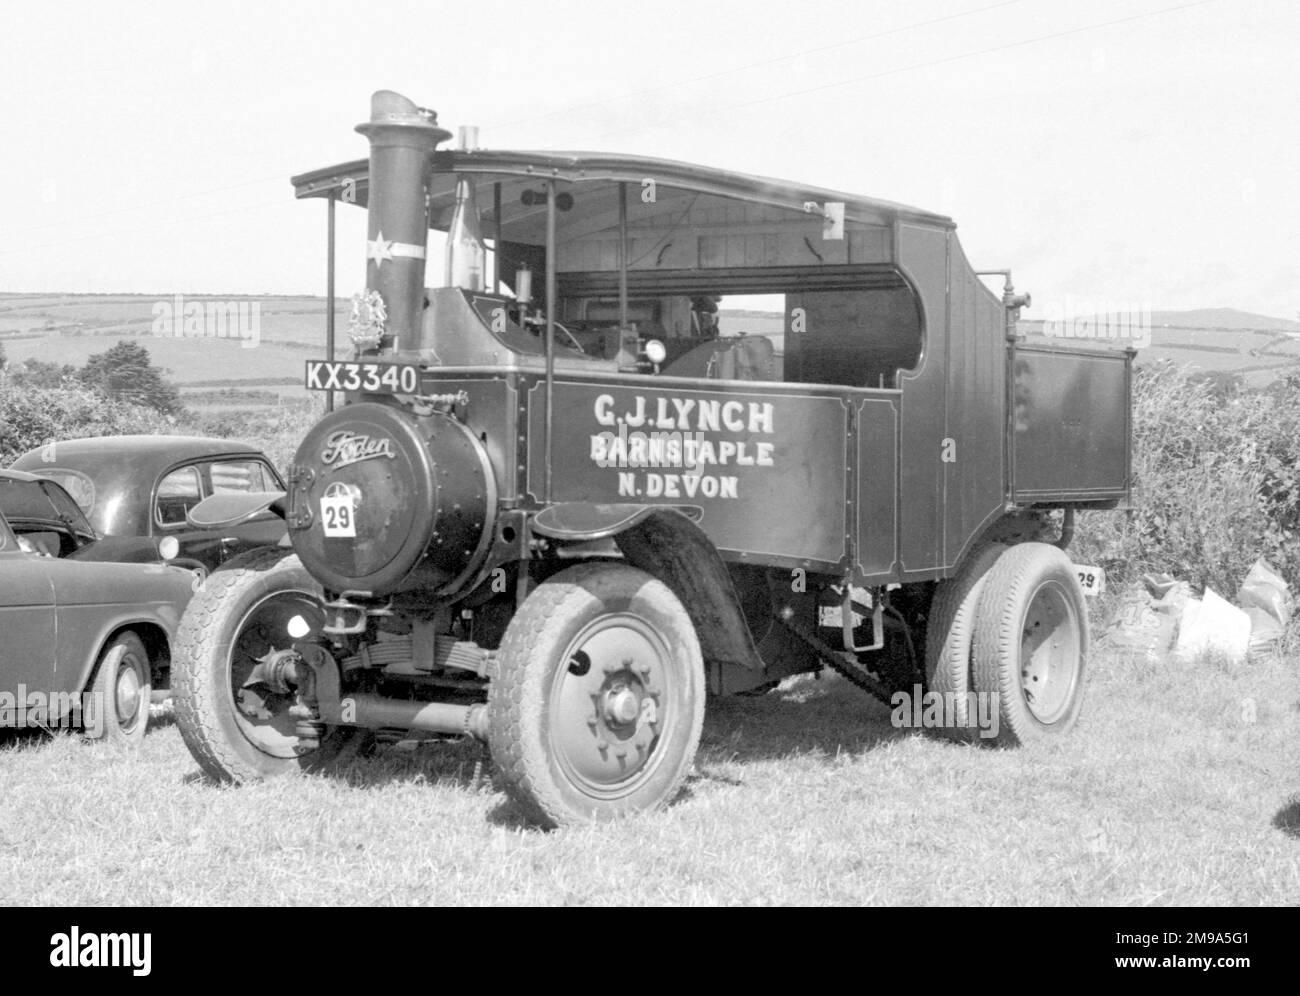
(374,378)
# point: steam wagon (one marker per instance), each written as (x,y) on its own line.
(662,432)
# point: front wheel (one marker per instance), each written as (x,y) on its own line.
(598,703)
(1031,643)
(120,693)
(237,729)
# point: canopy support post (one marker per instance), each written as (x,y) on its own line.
(329,293)
(551,260)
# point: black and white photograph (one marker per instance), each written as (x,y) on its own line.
(651,454)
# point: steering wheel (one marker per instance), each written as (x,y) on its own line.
(573,339)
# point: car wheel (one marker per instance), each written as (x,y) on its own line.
(598,703)
(236,731)
(1031,642)
(118,708)
(948,638)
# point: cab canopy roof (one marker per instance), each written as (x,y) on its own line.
(591,179)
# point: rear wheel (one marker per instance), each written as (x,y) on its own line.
(237,729)
(118,709)
(1031,642)
(598,704)
(948,639)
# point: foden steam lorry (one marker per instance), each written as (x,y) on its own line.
(563,503)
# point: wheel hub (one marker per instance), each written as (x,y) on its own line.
(265,672)
(608,715)
(622,706)
(1049,646)
(127,692)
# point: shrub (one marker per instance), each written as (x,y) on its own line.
(276,431)
(1217,478)
(42,374)
(31,417)
(125,373)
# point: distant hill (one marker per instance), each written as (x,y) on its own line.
(1223,318)
(1260,348)
(1208,319)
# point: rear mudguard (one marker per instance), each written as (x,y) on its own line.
(665,541)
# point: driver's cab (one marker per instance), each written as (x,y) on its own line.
(658,267)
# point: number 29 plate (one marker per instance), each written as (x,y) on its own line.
(374,378)
(1091,579)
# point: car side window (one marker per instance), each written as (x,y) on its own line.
(239,476)
(179,492)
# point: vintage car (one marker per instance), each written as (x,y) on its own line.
(133,486)
(561,505)
(85,639)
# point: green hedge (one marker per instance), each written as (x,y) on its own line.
(1217,469)
(31,417)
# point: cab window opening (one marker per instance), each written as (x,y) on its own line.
(730,288)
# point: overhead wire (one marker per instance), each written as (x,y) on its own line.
(662,87)
(728,108)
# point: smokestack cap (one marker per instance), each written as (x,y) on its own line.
(389,108)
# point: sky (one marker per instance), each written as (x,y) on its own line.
(1143,152)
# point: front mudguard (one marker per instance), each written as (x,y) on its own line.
(664,541)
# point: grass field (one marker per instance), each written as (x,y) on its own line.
(70,329)
(1170,791)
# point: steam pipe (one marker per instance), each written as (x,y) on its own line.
(1067,528)
(1011,301)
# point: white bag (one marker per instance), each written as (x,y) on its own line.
(1212,624)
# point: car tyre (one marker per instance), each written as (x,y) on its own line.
(120,693)
(598,703)
(949,634)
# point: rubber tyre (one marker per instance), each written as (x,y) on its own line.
(552,704)
(949,635)
(1031,643)
(122,693)
(223,614)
